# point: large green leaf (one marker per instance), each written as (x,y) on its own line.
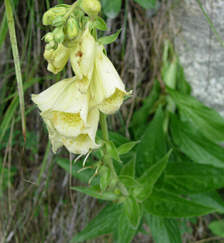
(166,204)
(195,145)
(163,230)
(147,4)
(189,177)
(104,223)
(207,120)
(150,177)
(111,8)
(140,117)
(153,145)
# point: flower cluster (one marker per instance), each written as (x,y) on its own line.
(71,107)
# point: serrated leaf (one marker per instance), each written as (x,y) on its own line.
(133,211)
(217,227)
(205,119)
(111,8)
(124,230)
(100,24)
(95,191)
(170,205)
(150,177)
(196,146)
(126,147)
(153,144)
(104,223)
(147,4)
(189,177)
(163,229)
(210,199)
(105,40)
(129,168)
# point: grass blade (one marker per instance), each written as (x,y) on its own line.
(14,46)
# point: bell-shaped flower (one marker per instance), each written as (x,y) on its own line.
(106,88)
(85,141)
(83,55)
(64,108)
(57,58)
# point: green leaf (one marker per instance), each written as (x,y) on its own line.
(94,191)
(104,177)
(182,85)
(163,229)
(153,144)
(104,223)
(217,227)
(196,146)
(126,147)
(205,119)
(129,168)
(133,211)
(111,8)
(189,177)
(129,182)
(210,199)
(112,151)
(166,204)
(100,24)
(147,4)
(105,40)
(74,169)
(139,119)
(124,230)
(150,177)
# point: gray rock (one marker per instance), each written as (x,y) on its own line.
(199,51)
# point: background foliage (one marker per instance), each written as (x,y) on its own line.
(37,204)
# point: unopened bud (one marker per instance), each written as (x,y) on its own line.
(59,35)
(91,7)
(72,28)
(49,37)
(50,16)
(51,45)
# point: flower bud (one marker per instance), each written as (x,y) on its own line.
(91,7)
(49,37)
(59,35)
(57,58)
(72,28)
(51,45)
(52,14)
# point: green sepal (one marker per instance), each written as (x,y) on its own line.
(100,24)
(95,191)
(105,40)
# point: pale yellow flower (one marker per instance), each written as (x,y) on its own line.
(83,55)
(106,88)
(65,109)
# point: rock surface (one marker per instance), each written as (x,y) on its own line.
(200,53)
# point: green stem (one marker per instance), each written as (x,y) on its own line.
(74,5)
(107,158)
(15,52)
(105,134)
